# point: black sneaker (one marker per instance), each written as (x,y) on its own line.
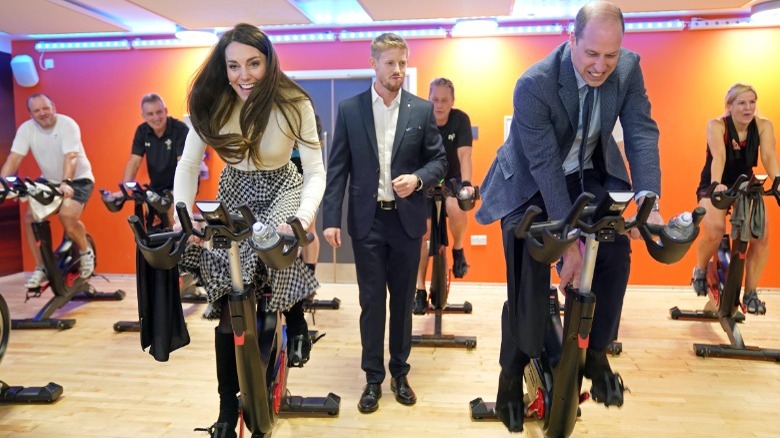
(420,302)
(606,387)
(459,265)
(753,304)
(699,281)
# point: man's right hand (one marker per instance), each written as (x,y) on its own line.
(332,236)
(572,267)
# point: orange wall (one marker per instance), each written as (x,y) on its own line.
(686,73)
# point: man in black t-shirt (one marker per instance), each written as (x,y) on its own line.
(161,139)
(455,129)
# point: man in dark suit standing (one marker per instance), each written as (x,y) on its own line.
(540,164)
(387,144)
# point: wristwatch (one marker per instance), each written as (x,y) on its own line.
(67,181)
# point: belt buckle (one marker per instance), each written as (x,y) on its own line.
(387,205)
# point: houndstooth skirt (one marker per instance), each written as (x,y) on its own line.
(273,196)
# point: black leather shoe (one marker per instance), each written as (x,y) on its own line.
(403,392)
(369,400)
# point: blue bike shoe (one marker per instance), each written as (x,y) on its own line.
(753,304)
(699,281)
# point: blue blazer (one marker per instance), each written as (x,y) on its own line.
(543,128)
(354,157)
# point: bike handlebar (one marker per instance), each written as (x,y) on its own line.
(163,250)
(26,187)
(723,199)
(557,235)
(137,193)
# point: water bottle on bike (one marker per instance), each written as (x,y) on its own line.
(680,227)
(264,236)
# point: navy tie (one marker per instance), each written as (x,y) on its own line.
(586,108)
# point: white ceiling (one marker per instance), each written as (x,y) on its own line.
(24,19)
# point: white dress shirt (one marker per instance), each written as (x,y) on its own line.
(385,122)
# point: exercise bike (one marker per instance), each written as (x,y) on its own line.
(20,394)
(260,338)
(725,273)
(440,275)
(61,264)
(553,381)
(153,208)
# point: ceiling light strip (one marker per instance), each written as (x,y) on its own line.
(320,37)
(728,23)
(167,44)
(79,46)
(655,26)
(550,29)
(368,35)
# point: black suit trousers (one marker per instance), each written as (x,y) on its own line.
(386,259)
(528,283)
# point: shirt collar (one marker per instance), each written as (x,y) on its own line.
(395,102)
(580,82)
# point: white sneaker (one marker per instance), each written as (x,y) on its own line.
(38,276)
(87,263)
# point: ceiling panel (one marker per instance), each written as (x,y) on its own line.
(21,18)
(207,14)
(381,10)
(44,16)
(701,6)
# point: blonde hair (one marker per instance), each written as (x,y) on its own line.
(387,41)
(738,89)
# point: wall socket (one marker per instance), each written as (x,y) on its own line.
(478,240)
(48,63)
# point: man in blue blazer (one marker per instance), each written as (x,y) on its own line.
(540,164)
(387,146)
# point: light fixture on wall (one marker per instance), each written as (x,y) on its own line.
(196,37)
(768,10)
(475,27)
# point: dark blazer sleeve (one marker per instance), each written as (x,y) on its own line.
(339,163)
(421,153)
(433,157)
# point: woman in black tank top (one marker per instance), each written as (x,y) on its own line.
(734,143)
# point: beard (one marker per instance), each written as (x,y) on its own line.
(390,85)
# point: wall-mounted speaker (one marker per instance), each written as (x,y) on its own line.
(23,68)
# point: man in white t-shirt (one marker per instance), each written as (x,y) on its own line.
(55,142)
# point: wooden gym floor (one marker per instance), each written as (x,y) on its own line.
(114,389)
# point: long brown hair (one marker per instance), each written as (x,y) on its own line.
(212,100)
